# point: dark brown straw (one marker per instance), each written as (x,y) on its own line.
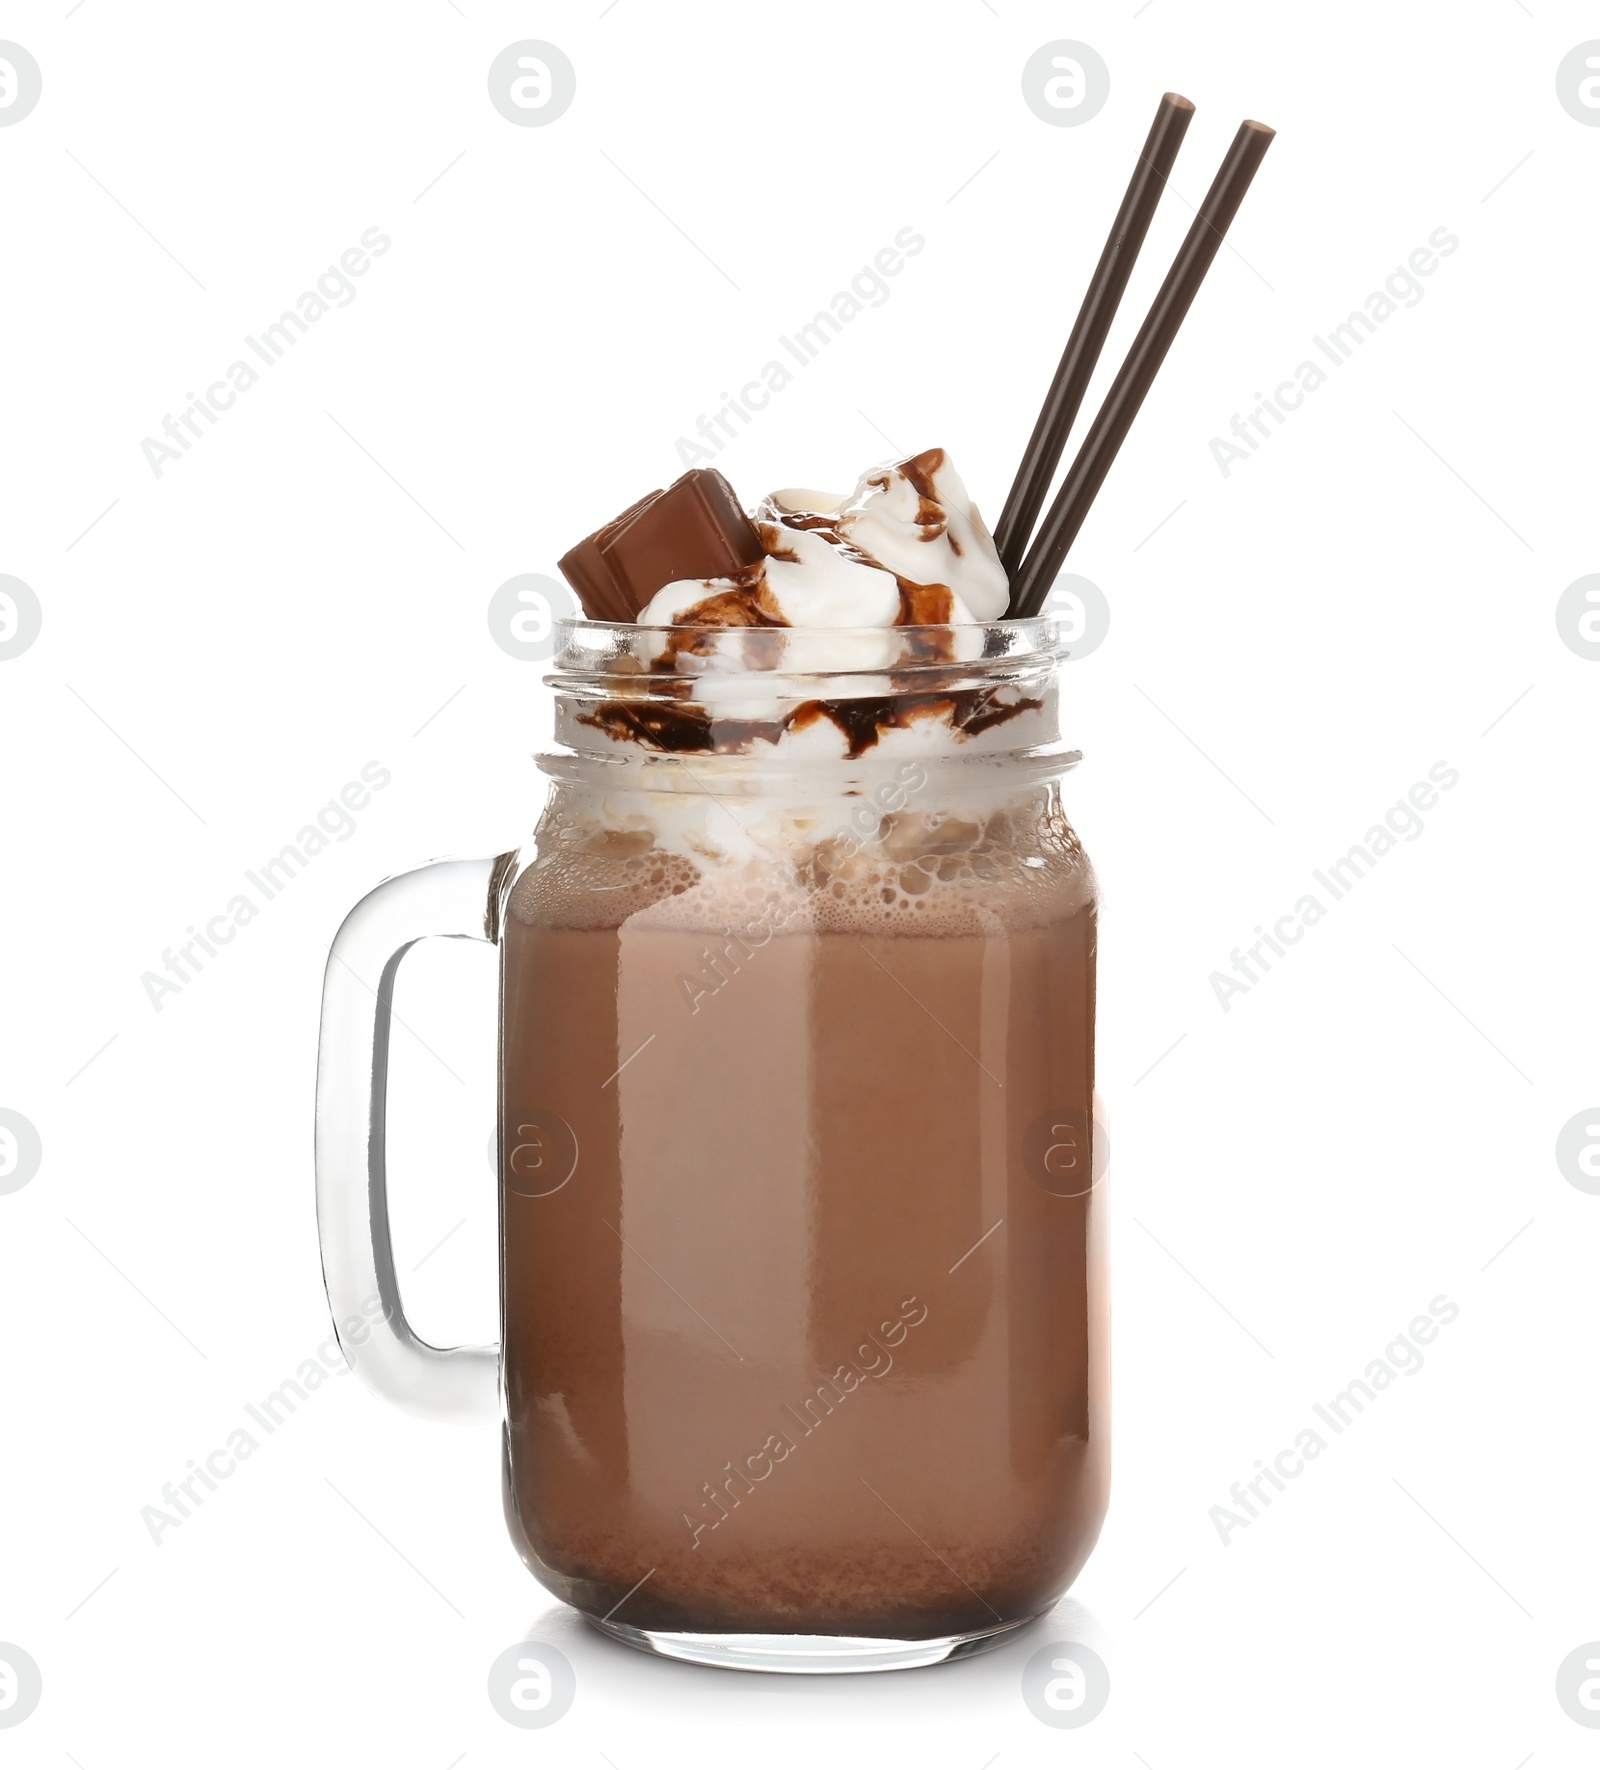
(1134,378)
(1060,409)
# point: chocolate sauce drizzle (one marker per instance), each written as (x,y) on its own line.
(919,470)
(690,729)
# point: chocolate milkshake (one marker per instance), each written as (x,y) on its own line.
(804,1360)
(803,1265)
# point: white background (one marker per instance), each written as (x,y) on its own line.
(1372,592)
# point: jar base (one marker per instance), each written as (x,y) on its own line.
(811,1655)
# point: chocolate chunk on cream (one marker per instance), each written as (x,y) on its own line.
(693,529)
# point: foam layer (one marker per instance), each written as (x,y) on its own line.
(934,872)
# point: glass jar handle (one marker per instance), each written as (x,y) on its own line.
(459,899)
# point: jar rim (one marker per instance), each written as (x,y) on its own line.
(1042,627)
(668,656)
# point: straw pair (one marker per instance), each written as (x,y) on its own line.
(1033,568)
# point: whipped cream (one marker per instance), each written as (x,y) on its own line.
(907,547)
(828,645)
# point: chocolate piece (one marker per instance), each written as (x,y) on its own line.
(694,529)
